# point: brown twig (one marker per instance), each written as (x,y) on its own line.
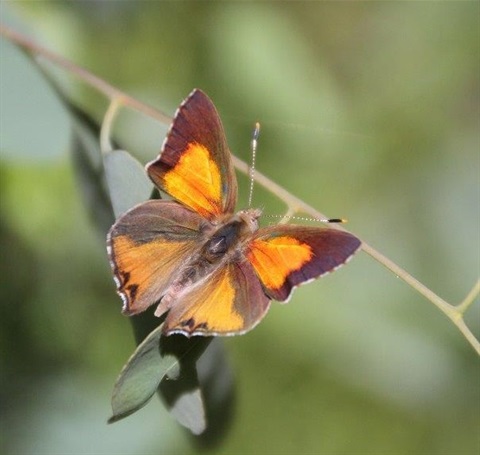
(454,313)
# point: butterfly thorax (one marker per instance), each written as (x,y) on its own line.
(224,244)
(230,234)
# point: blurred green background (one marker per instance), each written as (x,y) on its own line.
(369,111)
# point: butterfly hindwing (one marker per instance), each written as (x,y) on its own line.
(286,256)
(147,245)
(230,301)
(195,165)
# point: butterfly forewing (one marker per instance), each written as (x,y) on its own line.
(195,165)
(147,246)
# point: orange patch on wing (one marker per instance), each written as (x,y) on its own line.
(137,266)
(274,259)
(214,306)
(195,181)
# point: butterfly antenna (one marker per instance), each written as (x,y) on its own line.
(256,133)
(287,217)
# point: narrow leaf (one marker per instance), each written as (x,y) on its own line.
(184,396)
(89,169)
(172,359)
(201,399)
(189,411)
(218,388)
(127,181)
(141,376)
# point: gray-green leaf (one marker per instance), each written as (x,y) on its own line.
(141,376)
(127,182)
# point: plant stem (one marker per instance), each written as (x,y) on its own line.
(106,129)
(81,73)
(118,98)
(468,300)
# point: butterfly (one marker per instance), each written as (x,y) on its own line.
(209,269)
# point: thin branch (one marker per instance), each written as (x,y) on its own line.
(454,313)
(467,333)
(106,128)
(468,300)
(81,73)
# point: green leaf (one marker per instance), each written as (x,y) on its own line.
(172,359)
(184,396)
(201,399)
(218,388)
(88,166)
(127,181)
(141,376)
(189,411)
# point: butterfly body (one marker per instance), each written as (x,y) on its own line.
(224,244)
(210,270)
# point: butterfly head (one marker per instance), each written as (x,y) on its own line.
(249,217)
